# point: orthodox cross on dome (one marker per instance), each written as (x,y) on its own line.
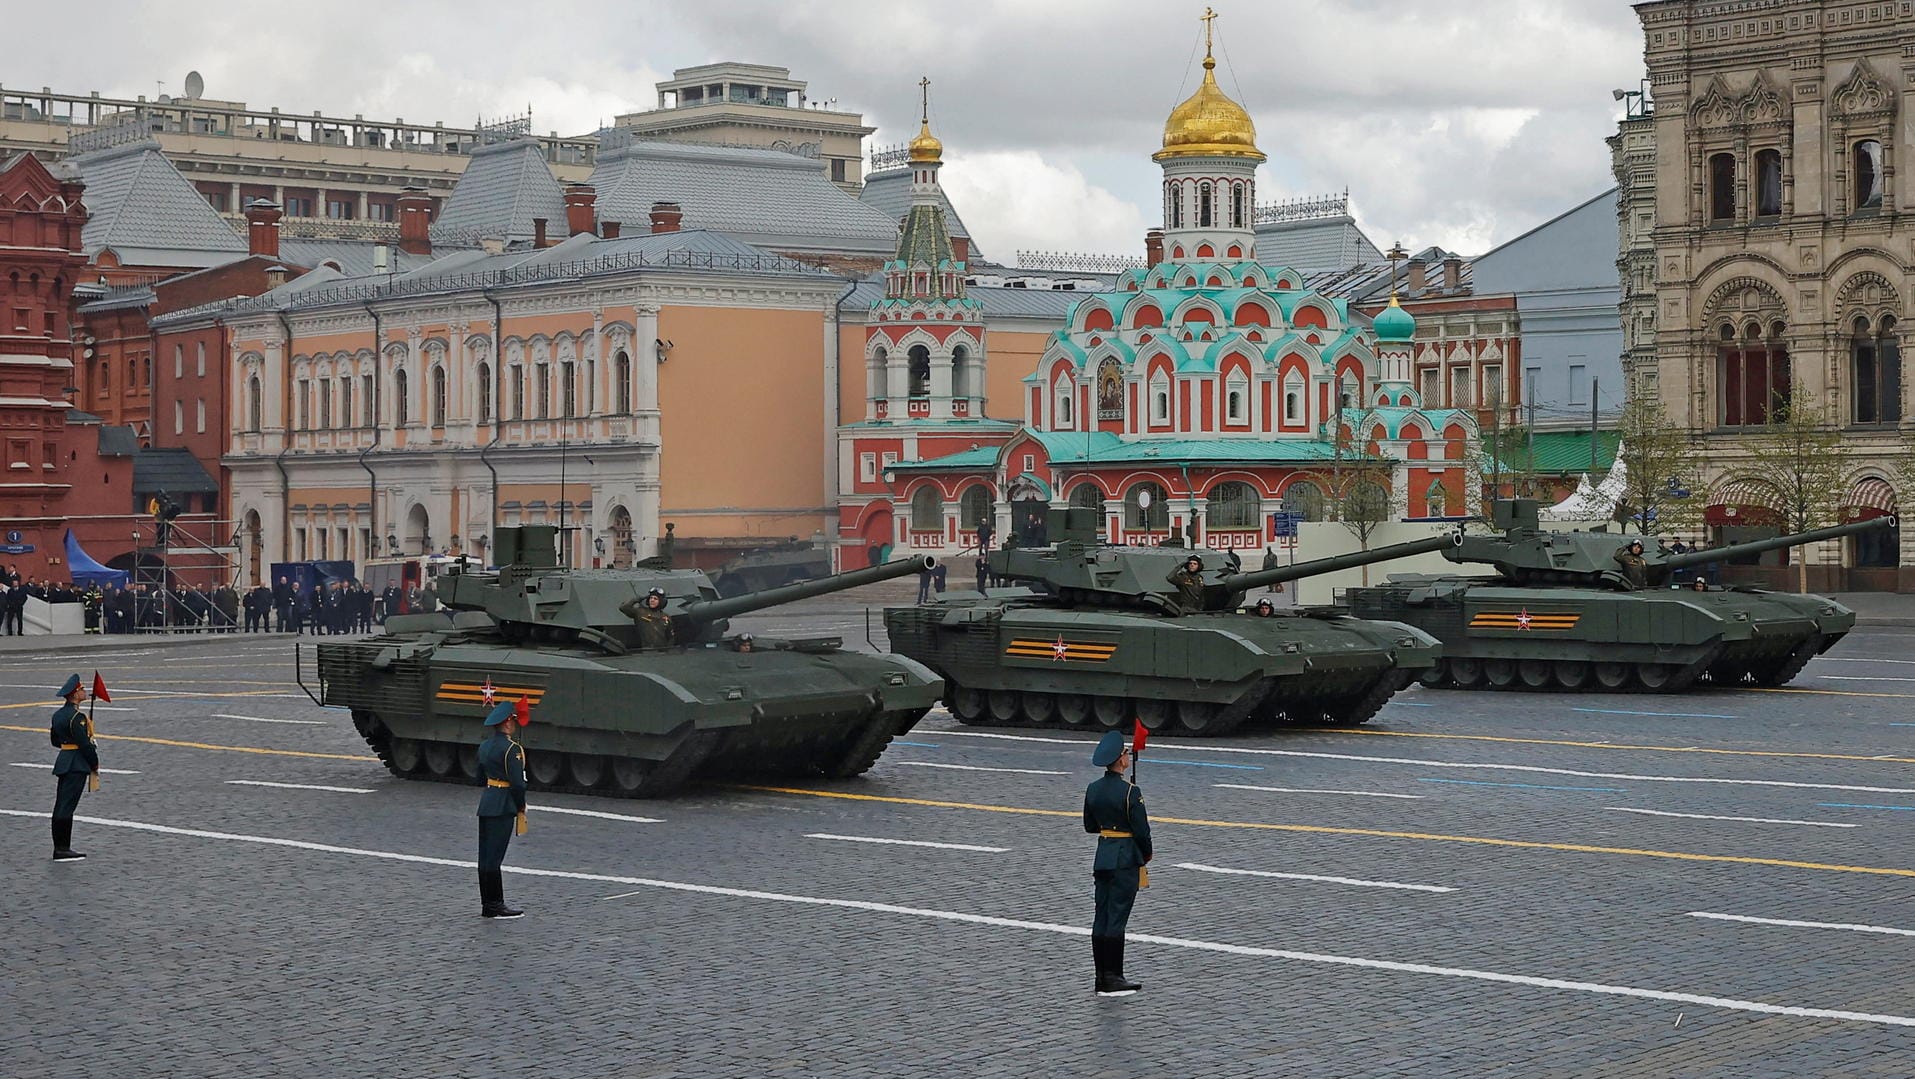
(924,100)
(1207,18)
(1395,254)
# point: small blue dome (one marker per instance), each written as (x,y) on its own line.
(1394,324)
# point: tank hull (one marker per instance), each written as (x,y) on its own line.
(1497,635)
(1200,674)
(636,725)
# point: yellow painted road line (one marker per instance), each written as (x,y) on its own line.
(1615,745)
(207,745)
(1427,837)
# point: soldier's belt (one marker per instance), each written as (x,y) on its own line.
(69,745)
(1112,833)
(497,783)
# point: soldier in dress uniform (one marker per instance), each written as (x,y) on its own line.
(1189,581)
(654,625)
(1114,812)
(78,762)
(502,805)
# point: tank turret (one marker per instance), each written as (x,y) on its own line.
(1526,553)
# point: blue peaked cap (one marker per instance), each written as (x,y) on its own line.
(1109,748)
(499,713)
(66,690)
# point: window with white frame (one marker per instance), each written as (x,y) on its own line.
(1030,462)
(179,362)
(1292,399)
(890,458)
(1430,387)
(868,467)
(199,359)
(199,415)
(1460,396)
(1159,398)
(179,417)
(1063,394)
(1236,399)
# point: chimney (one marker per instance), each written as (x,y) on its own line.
(492,245)
(1452,274)
(1419,278)
(415,219)
(1154,246)
(960,249)
(275,276)
(262,228)
(666,216)
(581,209)
(609,230)
(538,232)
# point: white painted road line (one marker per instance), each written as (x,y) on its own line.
(601,814)
(961,917)
(1749,820)
(49,765)
(299,786)
(906,842)
(977,768)
(1850,926)
(1312,790)
(1185,747)
(1311,876)
(1863,678)
(1858,659)
(263,719)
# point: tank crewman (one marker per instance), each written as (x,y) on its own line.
(1114,812)
(654,625)
(1189,581)
(1634,569)
(743,643)
(502,805)
(77,765)
(1265,608)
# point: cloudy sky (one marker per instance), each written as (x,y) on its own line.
(1460,125)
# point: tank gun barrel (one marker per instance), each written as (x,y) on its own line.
(1737,550)
(1244,582)
(710,610)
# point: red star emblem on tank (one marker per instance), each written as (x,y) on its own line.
(486,692)
(1060,650)
(1522,619)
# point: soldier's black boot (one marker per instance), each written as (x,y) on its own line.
(493,889)
(63,842)
(486,903)
(1097,954)
(1115,970)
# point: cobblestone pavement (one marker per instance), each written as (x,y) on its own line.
(1562,848)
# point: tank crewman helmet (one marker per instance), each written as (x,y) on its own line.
(1193,560)
(68,687)
(1635,545)
(1109,748)
(1265,605)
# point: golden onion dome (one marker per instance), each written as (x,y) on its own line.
(926,148)
(1209,124)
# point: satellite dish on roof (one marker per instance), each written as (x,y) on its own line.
(195,86)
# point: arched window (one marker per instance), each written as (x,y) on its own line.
(1203,205)
(974,506)
(302,400)
(1305,499)
(1436,500)
(1722,187)
(1768,183)
(401,406)
(542,383)
(438,396)
(1089,496)
(179,417)
(961,373)
(324,386)
(1152,518)
(366,394)
(1065,394)
(1867,170)
(1159,398)
(484,375)
(1235,505)
(920,371)
(1236,399)
(1875,357)
(927,510)
(568,389)
(517,372)
(199,359)
(622,370)
(179,361)
(1176,193)
(345,401)
(1752,374)
(880,374)
(1236,206)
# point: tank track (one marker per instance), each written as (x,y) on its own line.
(1668,679)
(1270,704)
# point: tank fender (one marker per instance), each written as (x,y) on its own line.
(393,653)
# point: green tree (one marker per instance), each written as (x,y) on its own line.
(1360,482)
(1799,456)
(1658,458)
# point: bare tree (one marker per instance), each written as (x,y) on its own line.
(1799,456)
(1659,458)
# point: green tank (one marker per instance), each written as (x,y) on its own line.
(1564,611)
(1093,635)
(608,716)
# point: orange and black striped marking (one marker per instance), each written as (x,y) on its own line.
(474,693)
(1531,621)
(1061,650)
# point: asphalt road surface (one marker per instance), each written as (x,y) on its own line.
(1475,884)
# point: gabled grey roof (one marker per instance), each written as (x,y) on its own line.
(1322,243)
(763,197)
(118,441)
(170,469)
(139,205)
(503,188)
(353,257)
(1371,282)
(1039,303)
(889,192)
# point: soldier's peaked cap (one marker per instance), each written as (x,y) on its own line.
(66,688)
(1109,748)
(499,714)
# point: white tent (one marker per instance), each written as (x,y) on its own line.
(1593,503)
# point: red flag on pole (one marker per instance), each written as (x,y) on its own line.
(99,688)
(522,712)
(1137,739)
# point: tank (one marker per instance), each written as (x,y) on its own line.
(1092,635)
(1558,611)
(783,563)
(610,717)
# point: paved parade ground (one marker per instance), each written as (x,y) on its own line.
(1481,884)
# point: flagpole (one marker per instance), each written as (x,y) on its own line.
(92,698)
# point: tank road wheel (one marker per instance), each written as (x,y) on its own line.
(1153,714)
(442,758)
(857,754)
(1003,705)
(405,757)
(1074,708)
(1434,676)
(1466,672)
(1113,713)
(1351,711)
(1570,673)
(629,775)
(1610,676)
(1501,673)
(546,769)
(1038,707)
(588,769)
(469,761)
(966,704)
(1656,677)
(1198,717)
(1785,673)
(1535,673)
